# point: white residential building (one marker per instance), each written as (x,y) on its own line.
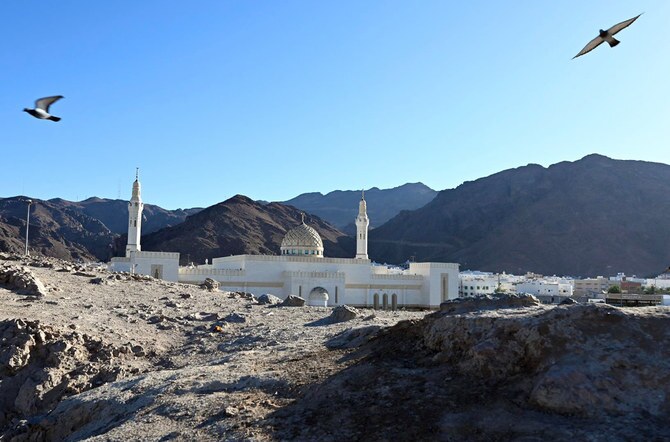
(548,290)
(472,283)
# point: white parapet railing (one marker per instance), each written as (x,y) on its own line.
(323,275)
(165,255)
(186,271)
(397,277)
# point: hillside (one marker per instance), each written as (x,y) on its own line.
(114,213)
(340,207)
(594,216)
(240,225)
(87,230)
(55,230)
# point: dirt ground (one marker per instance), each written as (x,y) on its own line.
(104,356)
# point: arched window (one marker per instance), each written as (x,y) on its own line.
(385,301)
(375,301)
(394,302)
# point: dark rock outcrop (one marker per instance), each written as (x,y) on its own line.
(492,372)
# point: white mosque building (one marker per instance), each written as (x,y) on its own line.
(301,269)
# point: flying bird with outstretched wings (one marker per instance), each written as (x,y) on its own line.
(41,110)
(606,36)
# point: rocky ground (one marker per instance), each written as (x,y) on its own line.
(87,354)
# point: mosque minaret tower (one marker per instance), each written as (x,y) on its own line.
(362,223)
(135,207)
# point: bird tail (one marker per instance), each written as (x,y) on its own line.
(52,118)
(613,42)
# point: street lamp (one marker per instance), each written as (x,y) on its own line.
(28,223)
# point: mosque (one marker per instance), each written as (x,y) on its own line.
(301,269)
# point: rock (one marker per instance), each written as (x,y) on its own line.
(185,295)
(202,316)
(293,301)
(231,411)
(344,313)
(98,281)
(210,285)
(488,302)
(269,299)
(235,318)
(21,280)
(137,350)
(241,295)
(568,301)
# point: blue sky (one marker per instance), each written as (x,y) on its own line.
(273,99)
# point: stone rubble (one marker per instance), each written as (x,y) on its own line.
(21,280)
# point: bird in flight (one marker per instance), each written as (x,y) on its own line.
(606,36)
(41,110)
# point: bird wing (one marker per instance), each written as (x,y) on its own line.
(44,103)
(624,24)
(591,46)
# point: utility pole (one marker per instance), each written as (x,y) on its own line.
(30,202)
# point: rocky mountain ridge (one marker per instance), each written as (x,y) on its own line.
(241,225)
(340,207)
(594,216)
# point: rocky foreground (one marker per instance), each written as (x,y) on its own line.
(88,354)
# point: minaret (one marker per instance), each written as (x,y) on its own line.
(135,207)
(362,223)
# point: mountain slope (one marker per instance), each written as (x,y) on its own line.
(114,213)
(588,217)
(56,231)
(340,207)
(240,225)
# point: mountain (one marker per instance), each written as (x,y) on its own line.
(87,230)
(114,213)
(57,231)
(240,225)
(594,216)
(340,207)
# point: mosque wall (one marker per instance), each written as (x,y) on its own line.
(162,265)
(441,280)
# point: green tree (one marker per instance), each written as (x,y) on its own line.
(614,289)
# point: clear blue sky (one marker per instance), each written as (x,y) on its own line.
(271,99)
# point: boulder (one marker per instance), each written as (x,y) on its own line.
(344,313)
(293,301)
(210,285)
(269,299)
